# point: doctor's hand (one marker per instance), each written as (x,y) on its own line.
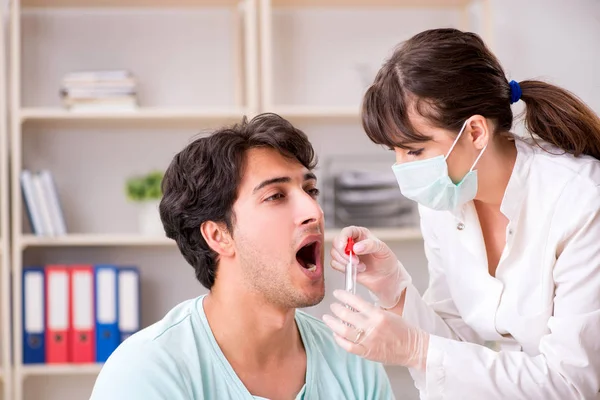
(376,334)
(378,269)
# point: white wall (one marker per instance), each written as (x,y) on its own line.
(532,38)
(553,40)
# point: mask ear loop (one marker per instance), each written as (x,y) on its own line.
(456,140)
(478,157)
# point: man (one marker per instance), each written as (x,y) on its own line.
(242,206)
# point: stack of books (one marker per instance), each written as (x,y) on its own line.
(42,203)
(110,90)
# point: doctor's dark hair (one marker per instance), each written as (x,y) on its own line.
(201,183)
(447,75)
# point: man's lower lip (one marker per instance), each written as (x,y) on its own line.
(317,273)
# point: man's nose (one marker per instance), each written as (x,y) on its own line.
(309,210)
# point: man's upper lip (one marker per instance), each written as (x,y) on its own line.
(316,237)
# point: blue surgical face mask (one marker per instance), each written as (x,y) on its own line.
(427,181)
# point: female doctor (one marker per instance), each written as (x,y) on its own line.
(511,230)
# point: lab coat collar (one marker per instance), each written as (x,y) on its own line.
(517,184)
(515,190)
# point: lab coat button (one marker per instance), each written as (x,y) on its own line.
(460,226)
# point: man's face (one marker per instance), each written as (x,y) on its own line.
(278,230)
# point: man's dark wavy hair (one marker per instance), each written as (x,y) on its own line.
(201,183)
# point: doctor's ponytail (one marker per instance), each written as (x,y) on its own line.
(447,76)
(560,118)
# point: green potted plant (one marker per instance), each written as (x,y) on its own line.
(145,191)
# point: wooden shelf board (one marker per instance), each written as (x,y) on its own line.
(60,369)
(227,3)
(123,240)
(132,240)
(142,114)
(370,3)
(127,3)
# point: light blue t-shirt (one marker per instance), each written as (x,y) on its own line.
(178,358)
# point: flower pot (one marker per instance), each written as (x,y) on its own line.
(149,222)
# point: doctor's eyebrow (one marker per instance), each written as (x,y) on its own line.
(409,146)
(282,179)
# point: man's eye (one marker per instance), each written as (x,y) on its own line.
(276,196)
(314,192)
(415,153)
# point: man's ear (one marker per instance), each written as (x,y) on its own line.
(479,130)
(218,237)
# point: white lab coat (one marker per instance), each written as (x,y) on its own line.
(532,331)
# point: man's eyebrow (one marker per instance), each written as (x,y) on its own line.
(310,176)
(281,179)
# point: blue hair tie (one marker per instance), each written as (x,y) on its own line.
(515,92)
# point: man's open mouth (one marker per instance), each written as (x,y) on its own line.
(307,256)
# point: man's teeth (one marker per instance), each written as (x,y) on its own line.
(311,267)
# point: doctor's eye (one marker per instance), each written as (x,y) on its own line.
(415,153)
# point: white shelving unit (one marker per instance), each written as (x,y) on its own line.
(307,112)
(37,117)
(37,123)
(5,300)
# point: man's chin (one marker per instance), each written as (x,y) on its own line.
(311,299)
